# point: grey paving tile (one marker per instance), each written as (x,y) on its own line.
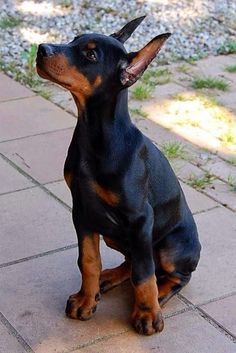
(221,169)
(196,200)
(31,116)
(223,193)
(38,290)
(11,179)
(40,156)
(184,333)
(8,343)
(223,311)
(61,190)
(215,274)
(32,222)
(9,89)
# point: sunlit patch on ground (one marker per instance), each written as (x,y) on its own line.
(197,118)
(44,8)
(34,36)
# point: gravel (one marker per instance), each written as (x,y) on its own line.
(199,27)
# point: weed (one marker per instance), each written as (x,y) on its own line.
(231,160)
(9,22)
(66,3)
(183,69)
(231,68)
(173,149)
(232,182)
(188,121)
(228,137)
(228,48)
(139,111)
(208,102)
(44,93)
(28,57)
(142,92)
(198,182)
(210,82)
(155,77)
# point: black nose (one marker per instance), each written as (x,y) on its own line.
(46,50)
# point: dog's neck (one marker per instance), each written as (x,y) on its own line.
(105,118)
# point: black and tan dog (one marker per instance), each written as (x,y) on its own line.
(122,186)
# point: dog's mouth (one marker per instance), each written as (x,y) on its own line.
(50,68)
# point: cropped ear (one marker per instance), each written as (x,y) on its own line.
(128,29)
(139,61)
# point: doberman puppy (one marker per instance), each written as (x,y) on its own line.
(122,186)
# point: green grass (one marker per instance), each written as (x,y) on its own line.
(198,182)
(173,149)
(228,47)
(228,137)
(185,69)
(231,160)
(142,92)
(231,69)
(210,82)
(189,122)
(208,102)
(155,77)
(139,111)
(232,182)
(28,58)
(9,22)
(44,93)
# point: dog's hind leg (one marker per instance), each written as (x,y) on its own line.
(169,285)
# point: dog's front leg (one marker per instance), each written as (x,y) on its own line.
(146,316)
(83,304)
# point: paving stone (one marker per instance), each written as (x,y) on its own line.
(41,156)
(31,116)
(222,192)
(196,200)
(156,132)
(9,343)
(33,222)
(11,179)
(61,190)
(207,68)
(223,311)
(221,169)
(185,170)
(183,333)
(38,290)
(215,274)
(9,89)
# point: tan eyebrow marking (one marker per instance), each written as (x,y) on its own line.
(91,45)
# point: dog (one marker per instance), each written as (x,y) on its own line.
(122,186)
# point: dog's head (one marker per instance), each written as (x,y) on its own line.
(95,63)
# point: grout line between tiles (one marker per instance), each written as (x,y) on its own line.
(209,196)
(17,98)
(209,319)
(39,134)
(35,182)
(106,338)
(36,256)
(217,298)
(206,210)
(15,333)
(17,190)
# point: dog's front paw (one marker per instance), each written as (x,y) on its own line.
(147,321)
(82,307)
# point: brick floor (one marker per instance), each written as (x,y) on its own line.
(38,253)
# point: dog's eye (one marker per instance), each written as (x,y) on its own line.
(91,55)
